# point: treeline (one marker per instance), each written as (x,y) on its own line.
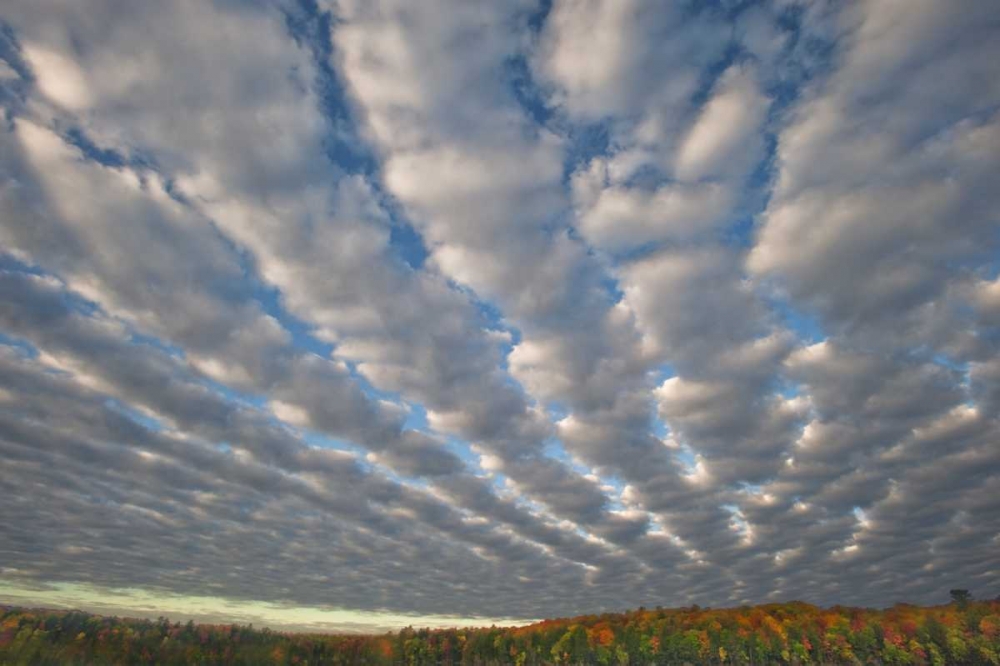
(790,633)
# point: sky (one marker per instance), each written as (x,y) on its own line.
(354,314)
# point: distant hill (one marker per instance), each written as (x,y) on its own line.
(788,633)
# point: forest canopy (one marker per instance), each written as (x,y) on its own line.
(964,632)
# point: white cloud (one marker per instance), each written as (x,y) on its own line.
(618,218)
(723,137)
(59,77)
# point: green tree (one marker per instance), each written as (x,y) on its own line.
(960,597)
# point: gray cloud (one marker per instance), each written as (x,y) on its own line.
(740,348)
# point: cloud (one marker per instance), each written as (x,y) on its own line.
(617,218)
(60,78)
(846,160)
(500,310)
(618,67)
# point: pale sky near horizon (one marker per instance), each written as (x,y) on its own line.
(363,313)
(152,604)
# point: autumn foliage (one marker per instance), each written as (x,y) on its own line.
(790,633)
